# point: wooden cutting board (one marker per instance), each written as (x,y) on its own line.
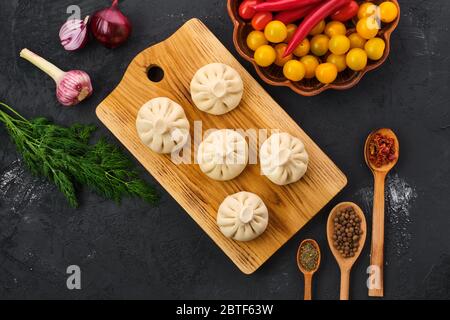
(290,207)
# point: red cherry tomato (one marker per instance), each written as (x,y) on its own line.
(246,10)
(261,19)
(346,12)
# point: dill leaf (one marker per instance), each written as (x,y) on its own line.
(64,156)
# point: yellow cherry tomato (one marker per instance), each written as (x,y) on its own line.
(318,28)
(334,28)
(375,48)
(294,70)
(367,9)
(388,11)
(356,41)
(303,48)
(280,49)
(338,61)
(291,28)
(339,44)
(275,31)
(319,45)
(310,62)
(265,55)
(256,39)
(326,72)
(356,59)
(367,27)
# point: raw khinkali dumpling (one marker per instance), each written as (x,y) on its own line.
(162,125)
(283,158)
(242,216)
(223,155)
(216,88)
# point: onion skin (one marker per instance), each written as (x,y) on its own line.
(110,26)
(74,34)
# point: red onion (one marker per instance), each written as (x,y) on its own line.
(73,34)
(71,87)
(110,27)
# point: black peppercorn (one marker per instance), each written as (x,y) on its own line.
(347,231)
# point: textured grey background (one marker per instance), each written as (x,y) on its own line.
(136,251)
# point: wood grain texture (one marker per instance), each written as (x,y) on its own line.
(377,248)
(379,174)
(290,207)
(307,293)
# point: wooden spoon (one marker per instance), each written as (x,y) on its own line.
(308,274)
(345,264)
(377,249)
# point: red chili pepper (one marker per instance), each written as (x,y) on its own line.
(347,12)
(321,12)
(381,150)
(281,5)
(290,16)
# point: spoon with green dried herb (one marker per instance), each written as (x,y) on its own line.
(64,156)
(308,261)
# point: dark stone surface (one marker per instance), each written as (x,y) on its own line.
(136,251)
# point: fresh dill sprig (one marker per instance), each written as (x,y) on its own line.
(64,156)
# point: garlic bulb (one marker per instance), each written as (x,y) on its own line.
(71,87)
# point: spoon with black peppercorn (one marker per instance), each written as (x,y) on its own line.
(346,234)
(381,152)
(308,261)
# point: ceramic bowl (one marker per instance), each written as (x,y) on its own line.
(273,74)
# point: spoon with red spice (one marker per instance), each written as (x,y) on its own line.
(381,152)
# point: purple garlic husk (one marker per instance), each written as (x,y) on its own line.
(74,87)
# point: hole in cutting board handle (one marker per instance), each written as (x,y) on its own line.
(155,73)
